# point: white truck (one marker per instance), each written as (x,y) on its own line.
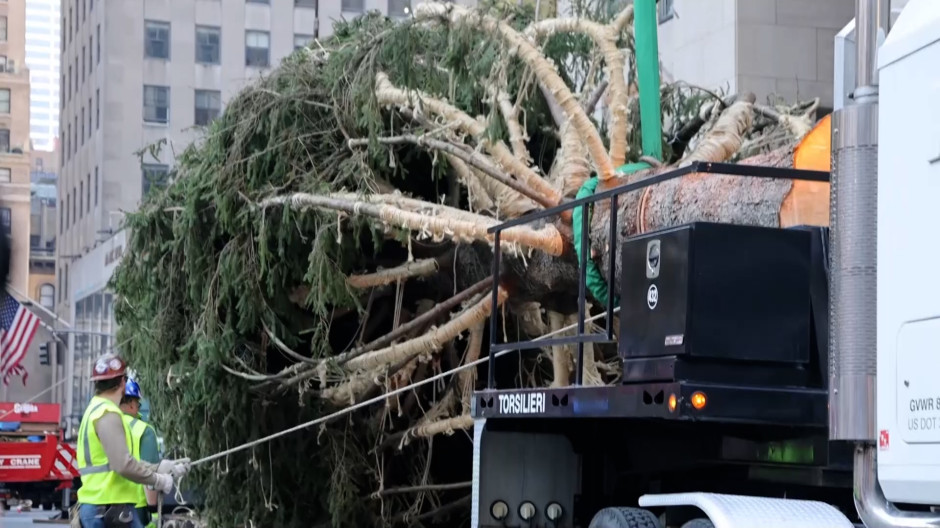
(799,385)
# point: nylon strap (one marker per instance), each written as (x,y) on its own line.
(594,280)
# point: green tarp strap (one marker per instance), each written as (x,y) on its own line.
(594,280)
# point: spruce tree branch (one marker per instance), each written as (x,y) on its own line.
(542,67)
(388,94)
(417,268)
(474,159)
(423,319)
(417,489)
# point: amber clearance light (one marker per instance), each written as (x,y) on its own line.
(698,400)
(672,403)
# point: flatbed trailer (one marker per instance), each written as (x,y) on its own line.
(702,404)
(751,355)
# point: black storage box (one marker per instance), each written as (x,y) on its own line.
(717,291)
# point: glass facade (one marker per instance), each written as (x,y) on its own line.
(94,317)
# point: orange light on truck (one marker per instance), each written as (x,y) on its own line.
(698,400)
(672,403)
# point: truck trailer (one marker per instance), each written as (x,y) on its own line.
(772,378)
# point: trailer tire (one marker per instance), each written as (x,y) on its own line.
(701,522)
(619,517)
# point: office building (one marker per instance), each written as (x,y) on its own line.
(14,138)
(42,59)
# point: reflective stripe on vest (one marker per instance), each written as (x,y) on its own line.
(137,429)
(100,485)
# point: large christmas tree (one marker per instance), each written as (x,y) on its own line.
(325,242)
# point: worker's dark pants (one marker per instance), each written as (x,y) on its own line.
(144,515)
(94,516)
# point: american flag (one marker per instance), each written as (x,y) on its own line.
(17,328)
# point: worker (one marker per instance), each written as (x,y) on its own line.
(143,447)
(110,475)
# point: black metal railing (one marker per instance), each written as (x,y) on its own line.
(611,195)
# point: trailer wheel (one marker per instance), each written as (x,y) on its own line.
(624,518)
(699,523)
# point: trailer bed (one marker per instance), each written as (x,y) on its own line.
(796,407)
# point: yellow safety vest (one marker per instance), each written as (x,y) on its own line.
(101,485)
(137,427)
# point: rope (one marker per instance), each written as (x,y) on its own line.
(383,397)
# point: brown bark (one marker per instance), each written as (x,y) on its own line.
(711,198)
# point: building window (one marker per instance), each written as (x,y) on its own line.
(208,45)
(83,126)
(301,41)
(96,186)
(97,108)
(305,3)
(73,207)
(157,39)
(68,211)
(62,91)
(61,212)
(257,48)
(667,10)
(353,6)
(83,63)
(47,296)
(6,175)
(258,1)
(208,106)
(98,44)
(6,221)
(4,100)
(81,199)
(156,104)
(88,193)
(399,8)
(68,92)
(89,117)
(153,175)
(4,140)
(90,47)
(3,29)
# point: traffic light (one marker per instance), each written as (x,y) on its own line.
(44,354)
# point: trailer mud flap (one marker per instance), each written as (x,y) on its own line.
(518,467)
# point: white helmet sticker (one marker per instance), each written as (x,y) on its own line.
(101,366)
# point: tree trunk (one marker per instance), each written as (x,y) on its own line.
(710,198)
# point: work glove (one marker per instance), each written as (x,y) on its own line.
(176,468)
(163,483)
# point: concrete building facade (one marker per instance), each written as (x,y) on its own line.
(778,48)
(14,138)
(42,58)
